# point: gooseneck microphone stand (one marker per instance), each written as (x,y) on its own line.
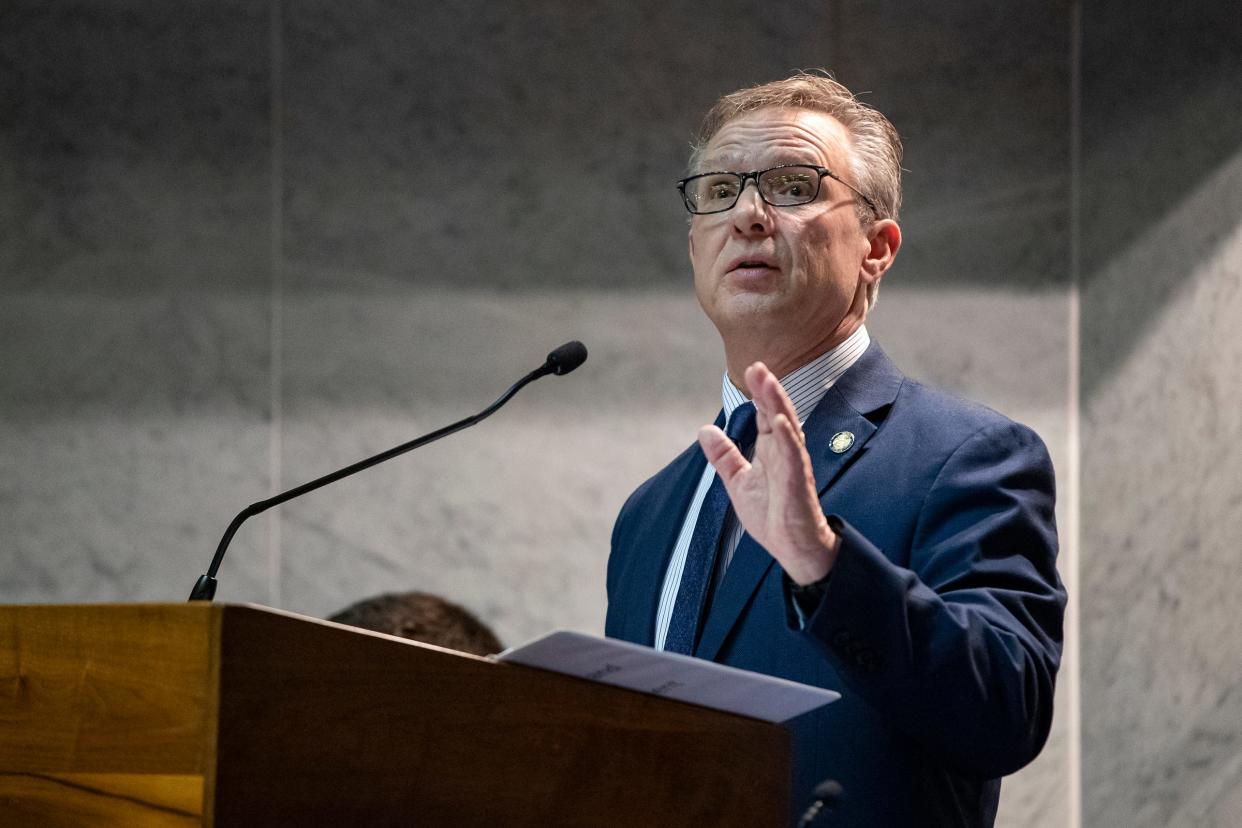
(561,361)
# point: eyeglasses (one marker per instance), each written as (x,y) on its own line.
(786,186)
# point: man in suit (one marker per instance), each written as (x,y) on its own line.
(882,538)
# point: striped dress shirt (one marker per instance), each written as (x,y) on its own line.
(805,386)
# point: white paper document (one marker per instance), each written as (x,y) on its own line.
(672,675)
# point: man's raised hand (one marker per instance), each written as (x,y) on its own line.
(773,494)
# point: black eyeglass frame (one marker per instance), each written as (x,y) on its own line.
(754,176)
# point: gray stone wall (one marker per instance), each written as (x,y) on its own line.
(1161,422)
(242,244)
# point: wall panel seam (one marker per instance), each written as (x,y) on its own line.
(276,299)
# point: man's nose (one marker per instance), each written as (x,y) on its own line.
(750,214)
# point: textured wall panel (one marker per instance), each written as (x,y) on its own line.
(498,145)
(1161,431)
(134,249)
(1162,500)
(980,94)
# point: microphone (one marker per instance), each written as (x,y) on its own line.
(566,358)
(826,794)
(560,362)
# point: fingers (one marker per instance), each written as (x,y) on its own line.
(790,442)
(777,418)
(721,453)
(769,397)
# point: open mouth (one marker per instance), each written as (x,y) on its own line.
(751,266)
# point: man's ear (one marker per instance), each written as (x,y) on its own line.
(690,239)
(884,238)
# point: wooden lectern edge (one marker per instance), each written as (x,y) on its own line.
(492,659)
(495,659)
(217,611)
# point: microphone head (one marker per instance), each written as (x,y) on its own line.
(566,358)
(828,791)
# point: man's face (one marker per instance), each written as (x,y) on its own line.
(759,269)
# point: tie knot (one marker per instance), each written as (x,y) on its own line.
(741,426)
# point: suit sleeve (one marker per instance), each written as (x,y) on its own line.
(959,650)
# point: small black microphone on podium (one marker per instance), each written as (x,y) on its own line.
(560,362)
(827,794)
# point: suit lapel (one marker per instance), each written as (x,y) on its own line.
(836,434)
(848,408)
(847,417)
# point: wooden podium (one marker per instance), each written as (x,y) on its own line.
(217,714)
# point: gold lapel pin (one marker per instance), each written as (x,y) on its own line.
(841,442)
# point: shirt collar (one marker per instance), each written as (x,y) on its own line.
(807,385)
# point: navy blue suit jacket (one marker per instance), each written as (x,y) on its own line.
(941,622)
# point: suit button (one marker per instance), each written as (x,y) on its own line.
(841,639)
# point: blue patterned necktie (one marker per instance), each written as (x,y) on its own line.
(696,577)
